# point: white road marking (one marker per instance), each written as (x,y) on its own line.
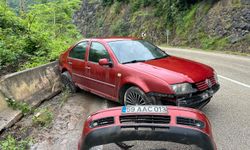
(234,81)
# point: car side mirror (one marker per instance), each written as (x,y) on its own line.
(105,62)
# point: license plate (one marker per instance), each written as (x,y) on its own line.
(145,109)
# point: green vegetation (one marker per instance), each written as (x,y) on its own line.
(43,117)
(187,22)
(18,105)
(34,32)
(37,35)
(65,95)
(154,18)
(10,143)
(213,43)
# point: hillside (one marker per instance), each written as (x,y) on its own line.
(210,24)
(34,32)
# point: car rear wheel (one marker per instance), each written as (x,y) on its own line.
(135,96)
(68,82)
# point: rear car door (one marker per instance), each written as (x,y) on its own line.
(101,78)
(76,59)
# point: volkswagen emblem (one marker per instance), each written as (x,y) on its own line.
(209,83)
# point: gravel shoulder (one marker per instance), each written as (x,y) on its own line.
(65,129)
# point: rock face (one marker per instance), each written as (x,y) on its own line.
(233,23)
(85,18)
(225,19)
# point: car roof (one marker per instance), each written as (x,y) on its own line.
(110,39)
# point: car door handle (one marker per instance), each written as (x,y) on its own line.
(70,62)
(88,67)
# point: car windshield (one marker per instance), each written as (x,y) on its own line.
(131,51)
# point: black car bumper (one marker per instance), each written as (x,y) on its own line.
(194,100)
(197,100)
(114,134)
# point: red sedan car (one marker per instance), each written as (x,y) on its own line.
(147,123)
(135,72)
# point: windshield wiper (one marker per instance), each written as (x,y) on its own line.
(133,61)
(160,57)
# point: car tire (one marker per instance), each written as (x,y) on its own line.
(135,96)
(68,82)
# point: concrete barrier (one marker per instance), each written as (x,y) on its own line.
(31,86)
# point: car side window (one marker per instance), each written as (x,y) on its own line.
(97,51)
(78,51)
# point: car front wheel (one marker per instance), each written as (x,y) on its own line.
(135,96)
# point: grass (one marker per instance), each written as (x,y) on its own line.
(19,105)
(187,22)
(189,18)
(10,143)
(65,95)
(209,42)
(236,3)
(116,8)
(43,117)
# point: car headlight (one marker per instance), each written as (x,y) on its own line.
(216,77)
(183,88)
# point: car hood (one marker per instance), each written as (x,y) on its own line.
(174,69)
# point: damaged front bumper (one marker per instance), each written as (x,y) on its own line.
(194,100)
(198,100)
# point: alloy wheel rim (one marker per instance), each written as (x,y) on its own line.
(134,98)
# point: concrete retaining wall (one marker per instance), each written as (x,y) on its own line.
(31,86)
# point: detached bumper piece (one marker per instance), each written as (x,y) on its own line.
(198,100)
(179,125)
(117,134)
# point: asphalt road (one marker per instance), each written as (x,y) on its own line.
(229,110)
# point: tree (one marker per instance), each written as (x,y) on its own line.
(22,7)
(38,37)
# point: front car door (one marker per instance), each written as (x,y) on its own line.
(101,79)
(77,61)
